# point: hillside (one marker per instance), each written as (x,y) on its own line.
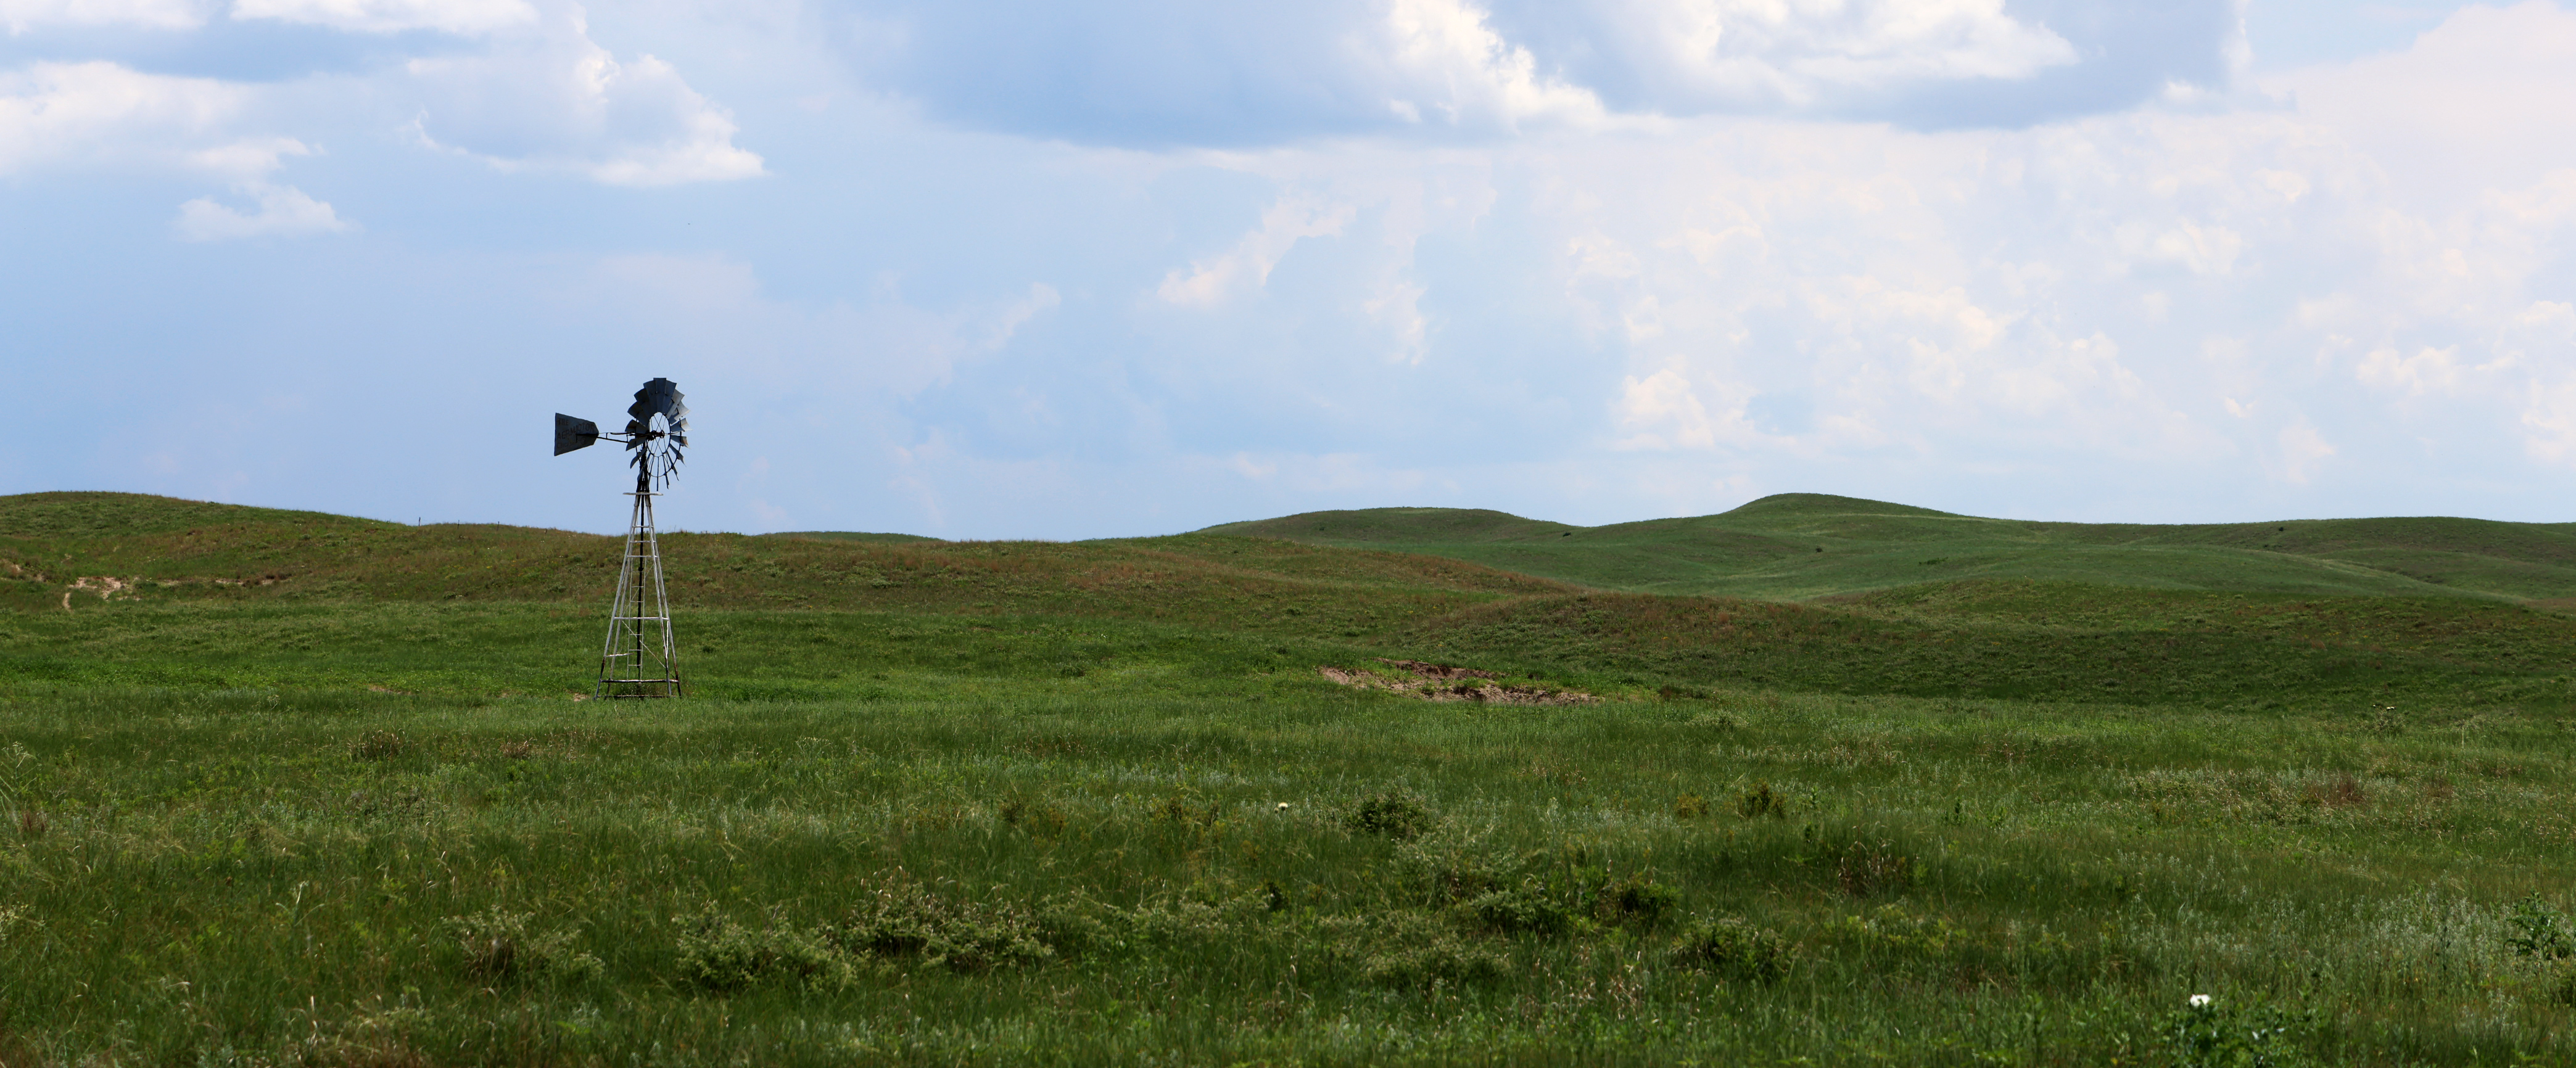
(58,549)
(1805,546)
(86,574)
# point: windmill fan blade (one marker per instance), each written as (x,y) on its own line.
(571,433)
(661,397)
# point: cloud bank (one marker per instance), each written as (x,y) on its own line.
(1016,269)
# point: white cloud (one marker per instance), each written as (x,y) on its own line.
(20,16)
(2430,369)
(468,17)
(2303,452)
(1454,69)
(1765,52)
(1292,219)
(2479,102)
(1662,411)
(282,211)
(97,113)
(56,116)
(555,101)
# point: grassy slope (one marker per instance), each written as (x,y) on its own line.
(232,851)
(2055,641)
(1770,548)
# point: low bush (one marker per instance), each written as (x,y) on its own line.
(1732,948)
(1397,816)
(500,946)
(964,936)
(721,956)
(2206,1033)
(1523,910)
(2539,931)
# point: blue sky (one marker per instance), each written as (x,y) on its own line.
(1024,269)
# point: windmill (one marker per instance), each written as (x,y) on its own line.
(640,659)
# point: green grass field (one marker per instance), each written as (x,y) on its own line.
(301,789)
(1804,545)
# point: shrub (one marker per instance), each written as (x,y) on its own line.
(2207,1034)
(1526,910)
(378,745)
(1396,816)
(1761,801)
(719,955)
(2539,931)
(964,936)
(1865,869)
(1635,899)
(1449,960)
(1892,929)
(499,947)
(1180,811)
(1735,949)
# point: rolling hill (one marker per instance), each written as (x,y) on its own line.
(1811,594)
(1801,546)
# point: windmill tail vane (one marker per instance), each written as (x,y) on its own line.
(640,657)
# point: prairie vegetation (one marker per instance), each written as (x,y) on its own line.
(1094,803)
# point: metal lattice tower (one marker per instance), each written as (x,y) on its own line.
(641,657)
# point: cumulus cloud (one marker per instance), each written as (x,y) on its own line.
(72,114)
(101,115)
(468,17)
(1690,56)
(2478,103)
(1171,72)
(553,100)
(2253,295)
(1162,72)
(533,95)
(280,211)
(21,16)
(1513,290)
(1249,262)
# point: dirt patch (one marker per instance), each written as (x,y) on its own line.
(1437,682)
(1439,671)
(107,587)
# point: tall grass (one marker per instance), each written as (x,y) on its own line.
(318,876)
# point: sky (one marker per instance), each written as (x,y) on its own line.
(1024,269)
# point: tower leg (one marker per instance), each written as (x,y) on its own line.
(640,658)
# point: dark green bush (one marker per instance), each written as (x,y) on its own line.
(964,936)
(1635,899)
(2539,931)
(721,956)
(1397,816)
(1526,910)
(1732,948)
(2213,1034)
(1761,801)
(500,946)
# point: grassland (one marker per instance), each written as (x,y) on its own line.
(301,789)
(1805,545)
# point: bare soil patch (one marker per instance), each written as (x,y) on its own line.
(1443,682)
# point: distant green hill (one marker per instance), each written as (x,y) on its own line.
(1803,546)
(1900,600)
(847,535)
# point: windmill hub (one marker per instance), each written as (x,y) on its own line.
(640,658)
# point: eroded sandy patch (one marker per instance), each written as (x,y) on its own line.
(1442,682)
